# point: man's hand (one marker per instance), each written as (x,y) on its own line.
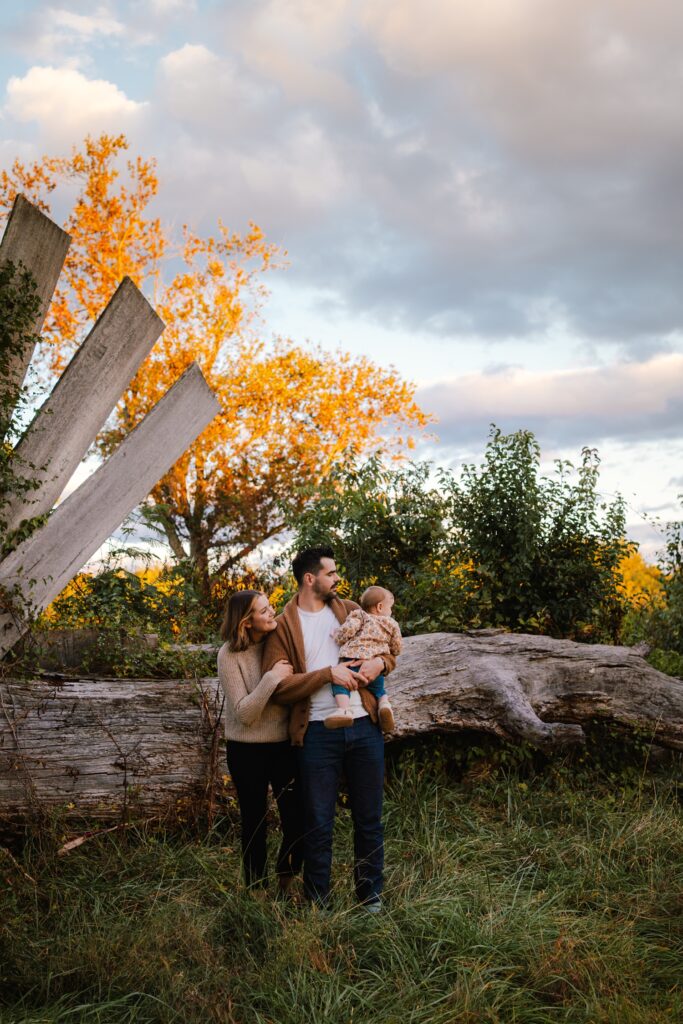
(343,676)
(368,669)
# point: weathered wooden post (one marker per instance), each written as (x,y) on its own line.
(68,422)
(34,241)
(83,397)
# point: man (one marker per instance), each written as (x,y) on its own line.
(304,638)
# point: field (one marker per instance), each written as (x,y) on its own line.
(514,894)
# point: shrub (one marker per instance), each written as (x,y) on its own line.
(545,551)
(501,546)
(391,525)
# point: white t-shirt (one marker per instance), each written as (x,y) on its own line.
(322,650)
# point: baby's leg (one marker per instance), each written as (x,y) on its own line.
(386,715)
(377,688)
(343,716)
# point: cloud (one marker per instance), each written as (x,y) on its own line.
(618,402)
(298,45)
(62,36)
(66,104)
(256,157)
(171,8)
(501,169)
(198,88)
(85,26)
(507,170)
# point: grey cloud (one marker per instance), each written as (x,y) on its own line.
(561,432)
(625,402)
(437,170)
(520,180)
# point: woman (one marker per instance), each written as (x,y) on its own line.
(257,742)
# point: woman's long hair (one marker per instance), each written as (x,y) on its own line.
(237,611)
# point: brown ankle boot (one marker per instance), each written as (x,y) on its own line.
(386,718)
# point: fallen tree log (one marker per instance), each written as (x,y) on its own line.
(114,749)
(108,749)
(532,688)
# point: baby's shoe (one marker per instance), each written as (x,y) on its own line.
(339,719)
(386,717)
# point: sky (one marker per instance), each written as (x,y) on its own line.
(486,195)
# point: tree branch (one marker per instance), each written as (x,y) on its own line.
(246,550)
(172,535)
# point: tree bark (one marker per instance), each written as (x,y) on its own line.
(108,749)
(111,748)
(531,688)
(172,535)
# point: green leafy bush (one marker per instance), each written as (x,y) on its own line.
(500,546)
(126,623)
(391,525)
(545,550)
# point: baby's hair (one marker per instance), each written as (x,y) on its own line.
(371,597)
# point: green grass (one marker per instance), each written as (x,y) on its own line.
(511,897)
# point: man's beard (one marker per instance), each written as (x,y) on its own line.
(327,596)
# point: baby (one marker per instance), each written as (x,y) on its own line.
(367,632)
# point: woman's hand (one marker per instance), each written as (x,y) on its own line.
(281,669)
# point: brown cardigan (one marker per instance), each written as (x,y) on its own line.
(287,641)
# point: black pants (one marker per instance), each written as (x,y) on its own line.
(253,766)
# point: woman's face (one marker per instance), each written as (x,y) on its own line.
(261,616)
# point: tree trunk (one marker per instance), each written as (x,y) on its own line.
(531,688)
(111,748)
(199,554)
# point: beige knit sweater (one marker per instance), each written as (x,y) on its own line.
(247,714)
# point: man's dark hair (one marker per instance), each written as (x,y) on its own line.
(309,560)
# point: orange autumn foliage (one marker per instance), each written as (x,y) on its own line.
(111,235)
(288,412)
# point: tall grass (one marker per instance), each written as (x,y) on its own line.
(510,897)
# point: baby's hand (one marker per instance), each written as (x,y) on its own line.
(282,669)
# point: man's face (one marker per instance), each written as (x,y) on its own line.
(326,580)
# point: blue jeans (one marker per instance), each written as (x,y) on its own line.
(358,752)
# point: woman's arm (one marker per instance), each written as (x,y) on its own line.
(248,707)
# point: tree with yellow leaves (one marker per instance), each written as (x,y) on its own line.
(288,412)
(641,584)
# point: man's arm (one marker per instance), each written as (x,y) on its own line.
(301,684)
(294,688)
